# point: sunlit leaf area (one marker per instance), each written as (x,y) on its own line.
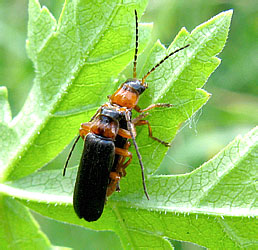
(59,60)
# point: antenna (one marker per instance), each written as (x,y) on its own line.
(136,44)
(70,154)
(163,60)
(129,125)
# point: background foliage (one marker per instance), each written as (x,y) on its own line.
(232,85)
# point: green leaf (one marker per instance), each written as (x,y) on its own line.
(217,199)
(16,225)
(76,62)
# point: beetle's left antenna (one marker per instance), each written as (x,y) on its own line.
(136,44)
(70,154)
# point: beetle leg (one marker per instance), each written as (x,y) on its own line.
(152,106)
(124,133)
(120,170)
(84,129)
(145,122)
(140,117)
(124,153)
(112,186)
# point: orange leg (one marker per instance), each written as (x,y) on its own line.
(122,164)
(112,186)
(124,133)
(120,170)
(84,129)
(152,106)
(139,117)
(145,122)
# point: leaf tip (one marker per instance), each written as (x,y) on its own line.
(226,13)
(3,91)
(184,31)
(45,10)
(229,12)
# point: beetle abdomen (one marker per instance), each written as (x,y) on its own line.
(93,176)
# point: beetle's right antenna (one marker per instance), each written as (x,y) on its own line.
(129,125)
(70,154)
(163,60)
(136,44)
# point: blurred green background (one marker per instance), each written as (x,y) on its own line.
(232,110)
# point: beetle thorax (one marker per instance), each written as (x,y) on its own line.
(128,94)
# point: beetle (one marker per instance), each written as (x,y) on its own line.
(96,162)
(106,143)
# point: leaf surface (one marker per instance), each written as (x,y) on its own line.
(77,62)
(217,199)
(16,225)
